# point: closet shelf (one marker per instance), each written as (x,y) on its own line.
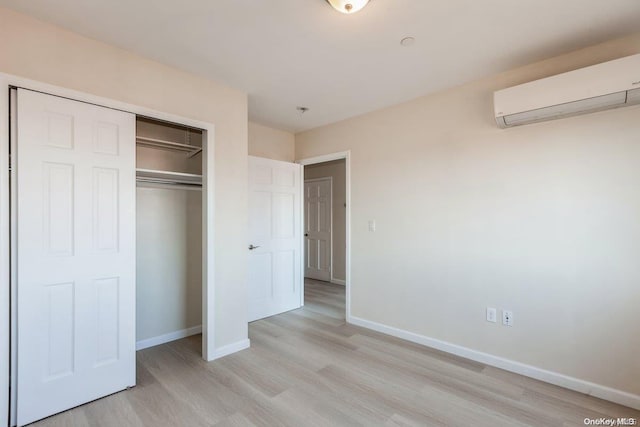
(191,150)
(168,177)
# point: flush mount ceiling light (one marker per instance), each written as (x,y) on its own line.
(348,6)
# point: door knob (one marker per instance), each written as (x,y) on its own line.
(306,234)
(251,247)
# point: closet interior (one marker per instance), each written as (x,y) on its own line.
(169,231)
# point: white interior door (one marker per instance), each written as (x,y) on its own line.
(275,279)
(75,253)
(317,228)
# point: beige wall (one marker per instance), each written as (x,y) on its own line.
(543,220)
(168,261)
(335,170)
(271,143)
(39,51)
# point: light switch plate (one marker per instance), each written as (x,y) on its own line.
(492,315)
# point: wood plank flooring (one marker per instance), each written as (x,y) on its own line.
(309,368)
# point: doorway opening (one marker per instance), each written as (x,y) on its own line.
(169,265)
(326,235)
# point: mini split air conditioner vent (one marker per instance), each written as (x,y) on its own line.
(599,87)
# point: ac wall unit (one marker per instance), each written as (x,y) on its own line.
(603,86)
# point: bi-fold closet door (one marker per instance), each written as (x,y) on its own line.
(76,220)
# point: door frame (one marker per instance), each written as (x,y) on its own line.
(304,181)
(346,155)
(208,221)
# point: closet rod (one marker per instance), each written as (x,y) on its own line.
(169,186)
(167,181)
(191,150)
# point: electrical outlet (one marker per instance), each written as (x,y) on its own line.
(492,315)
(507,318)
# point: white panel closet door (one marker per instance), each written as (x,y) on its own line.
(317,228)
(76,253)
(275,279)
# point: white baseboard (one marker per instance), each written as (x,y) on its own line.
(231,348)
(171,336)
(338,282)
(582,386)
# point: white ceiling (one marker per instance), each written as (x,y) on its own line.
(288,53)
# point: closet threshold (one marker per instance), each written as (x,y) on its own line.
(168,178)
(191,150)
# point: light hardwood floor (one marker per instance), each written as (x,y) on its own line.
(308,368)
